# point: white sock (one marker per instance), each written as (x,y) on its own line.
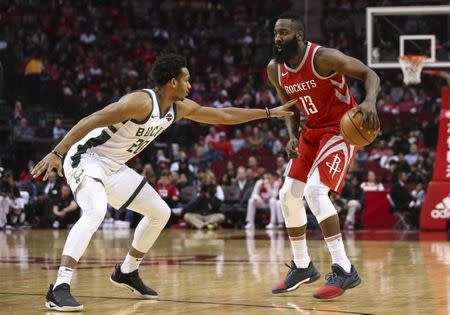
(300,251)
(337,251)
(130,264)
(64,276)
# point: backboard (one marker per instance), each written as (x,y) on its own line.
(408,30)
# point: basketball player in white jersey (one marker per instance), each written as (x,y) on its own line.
(94,153)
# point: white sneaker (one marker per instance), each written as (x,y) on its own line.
(250,226)
(271,226)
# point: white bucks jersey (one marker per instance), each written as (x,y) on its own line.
(116,144)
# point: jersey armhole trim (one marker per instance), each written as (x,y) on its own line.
(149,114)
(279,73)
(314,69)
(174,105)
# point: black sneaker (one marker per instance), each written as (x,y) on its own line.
(61,300)
(296,277)
(337,282)
(133,282)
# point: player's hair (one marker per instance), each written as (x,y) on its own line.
(166,67)
(294,16)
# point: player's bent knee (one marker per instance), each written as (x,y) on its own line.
(95,215)
(317,197)
(292,207)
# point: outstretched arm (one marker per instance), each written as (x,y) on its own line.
(329,60)
(132,106)
(228,116)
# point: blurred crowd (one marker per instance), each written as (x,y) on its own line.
(66,59)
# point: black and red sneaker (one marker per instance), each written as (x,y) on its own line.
(337,282)
(295,277)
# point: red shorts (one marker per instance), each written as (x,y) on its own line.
(325,149)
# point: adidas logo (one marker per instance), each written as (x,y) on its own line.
(442,209)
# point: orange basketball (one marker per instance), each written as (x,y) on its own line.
(353,130)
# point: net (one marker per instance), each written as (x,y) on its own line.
(412,67)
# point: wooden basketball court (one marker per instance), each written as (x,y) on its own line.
(224,272)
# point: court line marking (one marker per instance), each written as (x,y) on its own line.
(193,302)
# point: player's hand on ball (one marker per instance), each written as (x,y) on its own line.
(370,116)
(48,163)
(292,149)
(282,110)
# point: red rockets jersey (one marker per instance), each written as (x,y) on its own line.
(323,100)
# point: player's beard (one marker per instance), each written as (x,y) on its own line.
(289,50)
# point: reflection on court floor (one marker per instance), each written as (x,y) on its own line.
(229,272)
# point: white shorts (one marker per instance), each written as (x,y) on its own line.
(121,186)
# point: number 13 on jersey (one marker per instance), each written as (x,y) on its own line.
(308,105)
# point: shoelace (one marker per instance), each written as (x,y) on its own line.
(332,278)
(290,267)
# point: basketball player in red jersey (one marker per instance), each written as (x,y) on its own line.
(320,157)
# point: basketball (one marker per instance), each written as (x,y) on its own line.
(353,130)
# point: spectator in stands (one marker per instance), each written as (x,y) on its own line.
(149,174)
(272,143)
(161,156)
(229,175)
(371,184)
(175,166)
(13,204)
(387,104)
(390,176)
(252,164)
(224,146)
(265,97)
(413,156)
(212,155)
(222,101)
(213,136)
(386,159)
(163,166)
(17,114)
(168,192)
(251,174)
(23,132)
(204,211)
(47,193)
(238,142)
(362,155)
(8,193)
(210,179)
(65,209)
(256,140)
(418,195)
(353,199)
(276,213)
(414,175)
(264,196)
(401,197)
(380,150)
(402,165)
(407,104)
(58,131)
(33,71)
(244,186)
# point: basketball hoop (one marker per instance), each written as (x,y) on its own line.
(412,67)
